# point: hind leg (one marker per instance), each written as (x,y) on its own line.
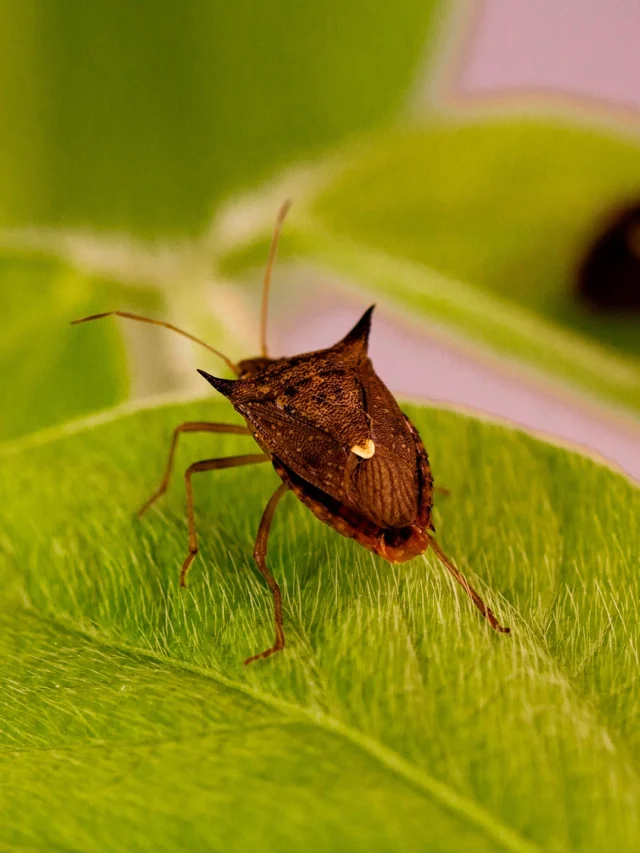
(464,583)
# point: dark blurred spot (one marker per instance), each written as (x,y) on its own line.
(331,372)
(609,275)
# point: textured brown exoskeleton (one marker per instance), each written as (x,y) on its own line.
(337,439)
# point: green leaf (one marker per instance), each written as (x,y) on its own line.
(395,719)
(508,206)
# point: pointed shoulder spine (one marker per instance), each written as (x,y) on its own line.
(224,386)
(359,335)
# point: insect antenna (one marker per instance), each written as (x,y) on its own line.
(267,276)
(170,326)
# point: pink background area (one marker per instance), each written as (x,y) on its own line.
(581,47)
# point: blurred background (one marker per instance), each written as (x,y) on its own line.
(472,167)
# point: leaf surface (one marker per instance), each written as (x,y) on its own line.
(395,720)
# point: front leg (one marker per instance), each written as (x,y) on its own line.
(190,426)
(208,465)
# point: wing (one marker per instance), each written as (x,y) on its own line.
(388,486)
(316,413)
(310,452)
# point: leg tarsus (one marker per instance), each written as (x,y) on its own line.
(259,555)
(267,653)
(186,566)
(464,583)
(278,643)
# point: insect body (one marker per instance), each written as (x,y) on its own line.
(336,438)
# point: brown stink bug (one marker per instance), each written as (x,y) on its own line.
(336,438)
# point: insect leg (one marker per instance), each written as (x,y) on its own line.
(464,583)
(259,555)
(207,465)
(191,426)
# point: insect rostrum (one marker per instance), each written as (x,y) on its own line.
(337,439)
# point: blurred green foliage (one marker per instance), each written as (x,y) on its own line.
(45,365)
(141,116)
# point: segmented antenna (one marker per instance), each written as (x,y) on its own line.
(267,276)
(170,326)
